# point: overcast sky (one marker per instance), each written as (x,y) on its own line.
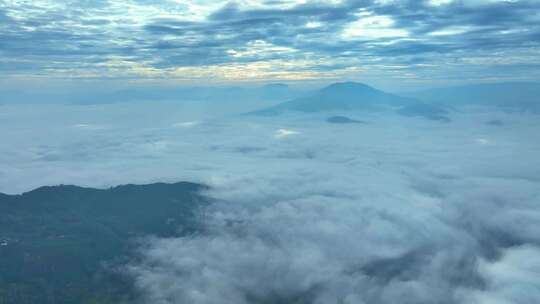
(382,42)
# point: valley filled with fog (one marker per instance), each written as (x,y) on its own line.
(383,208)
(270,152)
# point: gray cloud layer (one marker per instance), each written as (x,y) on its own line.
(410,40)
(396,210)
(420,214)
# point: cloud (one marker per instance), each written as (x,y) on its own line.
(511,279)
(373,27)
(379,213)
(187,124)
(399,209)
(282,133)
(157,39)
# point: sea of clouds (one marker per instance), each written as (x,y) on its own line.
(397,210)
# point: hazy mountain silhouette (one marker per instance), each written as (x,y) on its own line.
(429,111)
(511,95)
(275,92)
(352,96)
(495,122)
(343,120)
(340,96)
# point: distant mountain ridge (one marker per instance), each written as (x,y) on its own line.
(511,95)
(340,96)
(272,91)
(343,120)
(353,96)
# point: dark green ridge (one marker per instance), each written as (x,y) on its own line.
(65,244)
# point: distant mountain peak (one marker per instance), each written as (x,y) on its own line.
(349,89)
(355,96)
(340,96)
(343,120)
(276,86)
(348,85)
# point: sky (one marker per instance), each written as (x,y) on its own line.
(383,42)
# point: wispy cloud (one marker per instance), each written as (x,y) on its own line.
(153,39)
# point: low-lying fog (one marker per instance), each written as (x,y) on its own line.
(394,210)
